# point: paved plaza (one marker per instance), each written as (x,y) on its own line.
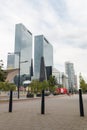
(61,113)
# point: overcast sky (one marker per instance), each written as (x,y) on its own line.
(62,22)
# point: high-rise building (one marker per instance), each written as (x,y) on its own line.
(10,61)
(42,48)
(65,80)
(62,78)
(69,69)
(58,75)
(75,79)
(23,45)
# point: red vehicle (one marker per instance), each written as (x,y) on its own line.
(61,90)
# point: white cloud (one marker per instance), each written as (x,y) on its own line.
(63,23)
(77,10)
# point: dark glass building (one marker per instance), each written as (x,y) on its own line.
(42,48)
(48,71)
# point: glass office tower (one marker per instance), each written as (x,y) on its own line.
(10,61)
(23,44)
(42,48)
(69,69)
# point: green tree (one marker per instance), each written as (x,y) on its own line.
(83,84)
(37,86)
(5,86)
(2,75)
(52,82)
(44,85)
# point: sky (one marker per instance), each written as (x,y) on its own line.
(62,22)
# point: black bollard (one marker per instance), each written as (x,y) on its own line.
(10,101)
(42,103)
(81,103)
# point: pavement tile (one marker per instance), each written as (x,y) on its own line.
(61,113)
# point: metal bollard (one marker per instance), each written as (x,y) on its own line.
(81,103)
(43,103)
(10,101)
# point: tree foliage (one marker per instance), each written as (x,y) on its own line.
(44,85)
(37,86)
(3,75)
(5,86)
(52,82)
(83,84)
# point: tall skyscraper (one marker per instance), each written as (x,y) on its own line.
(22,55)
(10,61)
(69,69)
(42,48)
(23,44)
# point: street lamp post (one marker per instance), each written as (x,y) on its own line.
(19,72)
(19,68)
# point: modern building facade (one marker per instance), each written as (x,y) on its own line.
(75,81)
(57,75)
(65,80)
(10,61)
(62,79)
(23,45)
(42,48)
(69,69)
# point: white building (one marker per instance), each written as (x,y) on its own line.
(69,70)
(62,79)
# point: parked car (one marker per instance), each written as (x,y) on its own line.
(38,94)
(30,95)
(47,93)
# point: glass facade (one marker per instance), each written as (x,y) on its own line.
(10,61)
(69,69)
(23,44)
(48,71)
(42,48)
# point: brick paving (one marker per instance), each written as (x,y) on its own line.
(61,113)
